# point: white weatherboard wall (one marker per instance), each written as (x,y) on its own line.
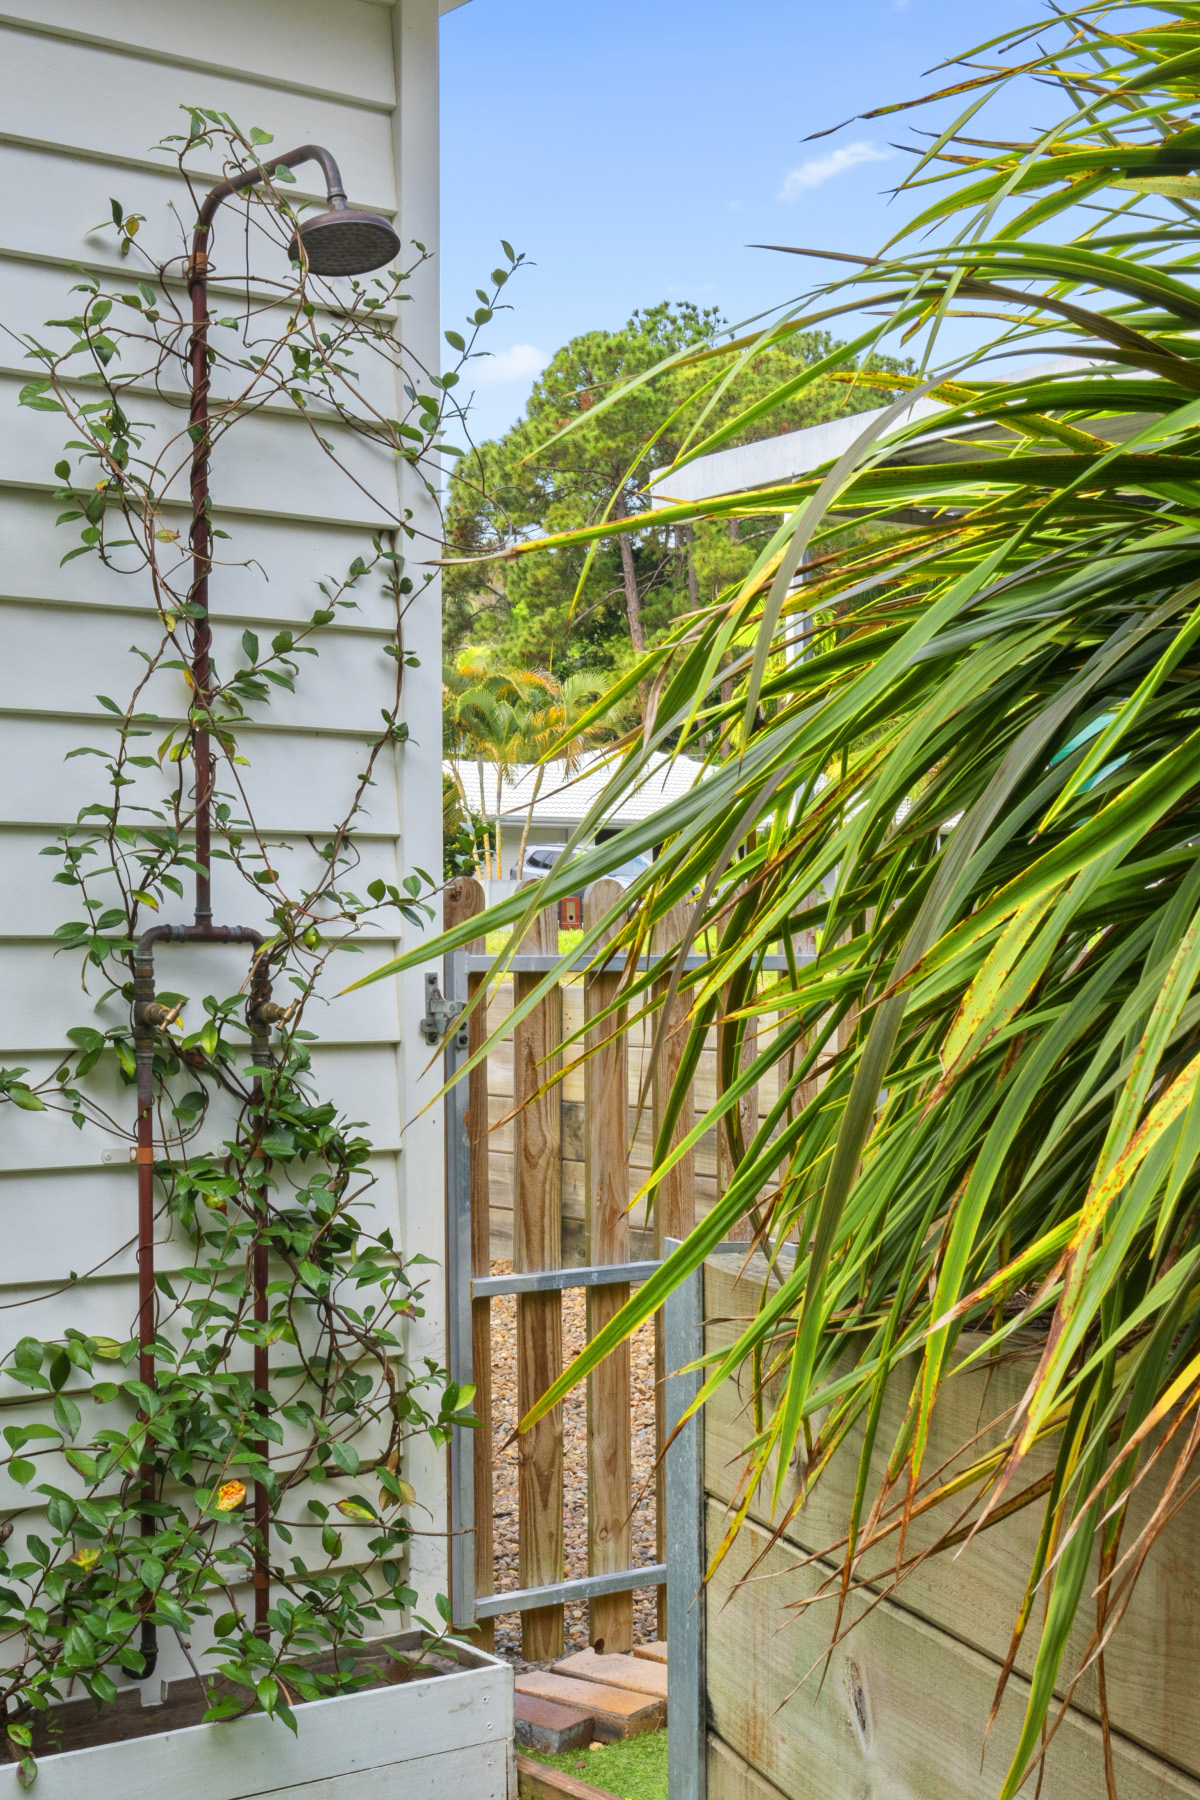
(86,88)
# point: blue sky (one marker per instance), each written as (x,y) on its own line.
(633,151)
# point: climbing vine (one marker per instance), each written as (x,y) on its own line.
(146,1487)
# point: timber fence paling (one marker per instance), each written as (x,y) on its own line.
(639,1132)
(537,1244)
(806,944)
(675,1197)
(606,1191)
(748,1105)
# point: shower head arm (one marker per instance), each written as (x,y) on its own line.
(237,184)
(201,537)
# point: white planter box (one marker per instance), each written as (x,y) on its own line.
(444,1737)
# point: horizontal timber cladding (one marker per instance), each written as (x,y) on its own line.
(730,1777)
(24,873)
(29,742)
(86,91)
(97,103)
(369,1016)
(299,46)
(347,685)
(266,572)
(903,1707)
(270,463)
(934,1651)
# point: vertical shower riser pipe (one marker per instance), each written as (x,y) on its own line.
(143,987)
(148,1016)
(257,1017)
(198,596)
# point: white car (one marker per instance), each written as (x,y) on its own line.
(541,858)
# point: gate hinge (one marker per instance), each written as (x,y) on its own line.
(440,1014)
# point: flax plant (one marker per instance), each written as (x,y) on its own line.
(961,756)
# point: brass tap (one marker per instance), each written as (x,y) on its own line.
(161,1016)
(269,1012)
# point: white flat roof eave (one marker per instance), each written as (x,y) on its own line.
(774,461)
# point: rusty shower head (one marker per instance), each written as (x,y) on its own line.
(338,242)
(344,242)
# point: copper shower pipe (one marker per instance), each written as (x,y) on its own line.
(341,241)
(201,542)
(148,1016)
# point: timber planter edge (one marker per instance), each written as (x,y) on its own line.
(443,1736)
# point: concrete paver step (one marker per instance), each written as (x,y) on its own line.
(633,1672)
(618,1712)
(656,1652)
(551,1727)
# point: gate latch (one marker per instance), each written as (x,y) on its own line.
(440,1014)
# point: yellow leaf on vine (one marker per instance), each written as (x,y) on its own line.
(406,1497)
(230,1495)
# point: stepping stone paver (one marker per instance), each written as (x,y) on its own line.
(549,1726)
(615,1670)
(618,1712)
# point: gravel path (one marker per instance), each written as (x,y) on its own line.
(504,1391)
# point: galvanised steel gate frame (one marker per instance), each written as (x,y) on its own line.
(683,1342)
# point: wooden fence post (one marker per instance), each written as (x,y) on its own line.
(537,1244)
(675,1201)
(807,1092)
(748,1105)
(606,1198)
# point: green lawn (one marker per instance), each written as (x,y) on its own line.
(634,1770)
(496,940)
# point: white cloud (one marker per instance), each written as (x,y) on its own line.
(824,168)
(521,362)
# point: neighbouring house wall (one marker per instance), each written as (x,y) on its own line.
(901,1709)
(86,88)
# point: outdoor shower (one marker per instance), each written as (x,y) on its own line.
(340,241)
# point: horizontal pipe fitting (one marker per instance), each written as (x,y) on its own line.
(269,1012)
(162,1016)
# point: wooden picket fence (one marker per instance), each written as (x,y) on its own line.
(546,1177)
